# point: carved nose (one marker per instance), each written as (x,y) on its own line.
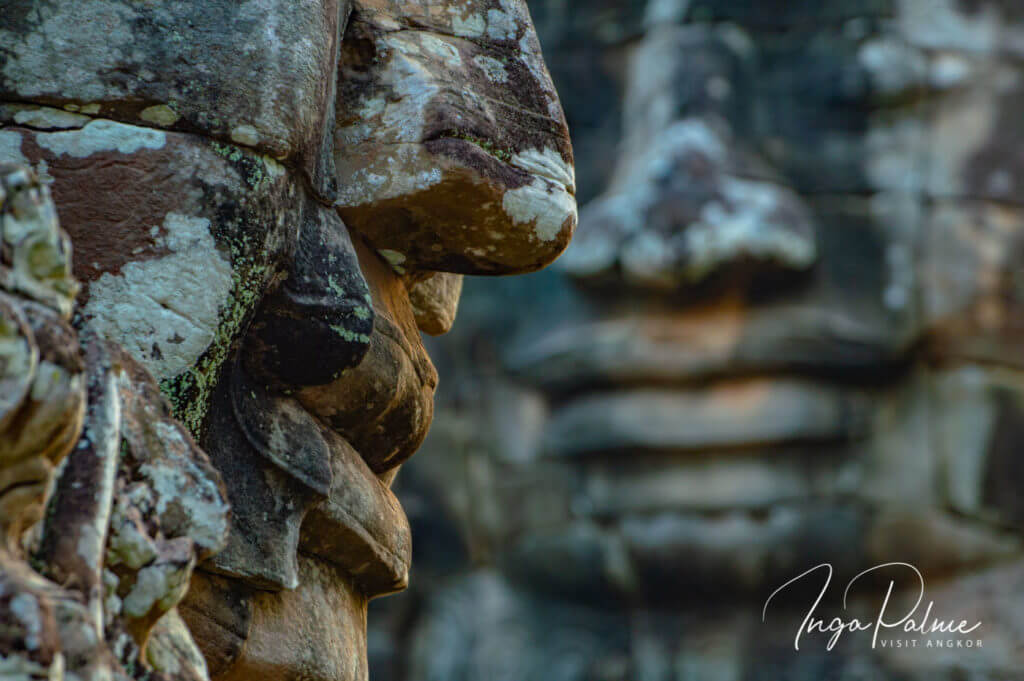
(692,205)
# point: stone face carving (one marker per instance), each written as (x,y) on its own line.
(204,157)
(784,334)
(135,503)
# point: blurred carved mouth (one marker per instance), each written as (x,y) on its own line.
(687,414)
(693,347)
(755,413)
(734,446)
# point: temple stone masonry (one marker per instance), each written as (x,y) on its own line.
(212,367)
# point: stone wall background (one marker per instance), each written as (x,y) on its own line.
(618,476)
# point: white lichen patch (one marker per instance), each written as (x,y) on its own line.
(441,48)
(165,311)
(500,25)
(171,649)
(16,667)
(471,26)
(547,163)
(48,118)
(414,83)
(111,601)
(179,481)
(949,70)
(892,65)
(26,609)
(273,167)
(159,114)
(245,134)
(938,24)
(160,585)
(101,135)
(372,107)
(393,257)
(128,545)
(407,169)
(89,544)
(545,205)
(10,148)
(411,85)
(492,68)
(68,46)
(665,12)
(745,227)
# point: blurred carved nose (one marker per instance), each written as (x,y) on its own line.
(692,205)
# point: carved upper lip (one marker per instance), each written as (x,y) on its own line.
(679,348)
(753,413)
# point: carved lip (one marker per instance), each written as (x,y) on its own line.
(731,415)
(683,348)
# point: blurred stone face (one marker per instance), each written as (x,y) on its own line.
(786,332)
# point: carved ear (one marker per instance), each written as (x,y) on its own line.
(281,430)
(318,322)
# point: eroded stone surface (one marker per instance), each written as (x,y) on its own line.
(435,302)
(175,263)
(316,632)
(131,508)
(266,84)
(452,137)
(360,526)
